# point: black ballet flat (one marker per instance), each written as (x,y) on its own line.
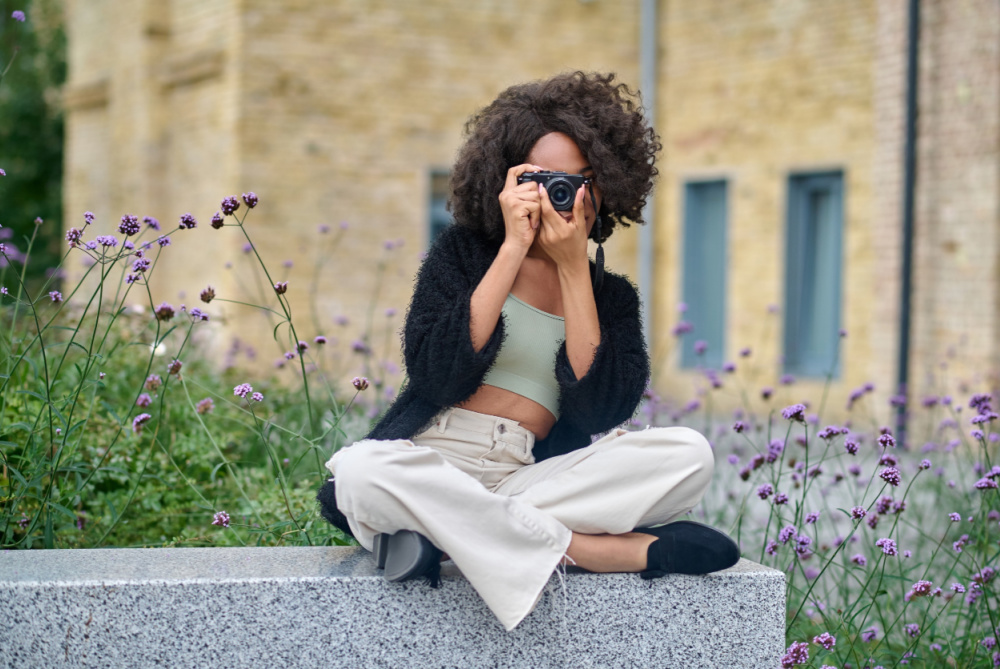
(687,547)
(406,555)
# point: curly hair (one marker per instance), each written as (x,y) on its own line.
(605,120)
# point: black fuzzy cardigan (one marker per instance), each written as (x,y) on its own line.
(443,369)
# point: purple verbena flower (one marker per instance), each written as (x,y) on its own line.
(795,412)
(281,287)
(891,476)
(144,400)
(886,440)
(786,533)
(17,15)
(772,547)
(319,340)
(883,505)
(797,653)
(129,225)
(106,240)
(221,518)
(858,512)
(985,484)
(869,634)
(812,517)
(175,367)
(163,241)
(826,640)
(913,629)
(153,382)
(888,460)
(151,222)
(73,236)
(217,220)
(780,499)
(139,421)
(164,312)
(829,432)
(250,199)
(700,347)
(56,296)
(257,397)
(682,328)
(774,450)
(765,491)
(954,517)
(766,392)
(229,205)
(860,560)
(979,400)
(925,464)
(888,546)
(205,406)
(851,445)
(207,295)
(242,390)
(921,588)
(360,383)
(187,222)
(740,426)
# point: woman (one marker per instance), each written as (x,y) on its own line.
(517,350)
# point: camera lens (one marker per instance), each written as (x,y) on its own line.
(561,194)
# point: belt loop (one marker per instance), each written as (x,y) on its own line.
(443,421)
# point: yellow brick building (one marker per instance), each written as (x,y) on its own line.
(352,111)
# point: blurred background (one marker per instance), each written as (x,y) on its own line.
(782,229)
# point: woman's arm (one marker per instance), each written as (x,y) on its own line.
(608,394)
(565,242)
(520,206)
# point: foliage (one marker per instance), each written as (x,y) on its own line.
(117,429)
(889,549)
(33,53)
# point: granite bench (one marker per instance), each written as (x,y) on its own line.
(329,607)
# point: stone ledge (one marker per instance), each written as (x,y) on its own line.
(329,607)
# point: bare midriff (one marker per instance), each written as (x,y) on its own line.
(499,402)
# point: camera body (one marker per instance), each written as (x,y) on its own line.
(560,186)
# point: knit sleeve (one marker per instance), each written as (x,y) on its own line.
(441,364)
(609,392)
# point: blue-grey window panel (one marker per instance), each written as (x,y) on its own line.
(704,274)
(439,217)
(813,267)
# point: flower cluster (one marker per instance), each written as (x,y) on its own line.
(129,225)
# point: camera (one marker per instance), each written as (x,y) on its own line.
(560,186)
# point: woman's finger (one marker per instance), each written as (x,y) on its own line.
(516,171)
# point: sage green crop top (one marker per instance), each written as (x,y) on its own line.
(526,362)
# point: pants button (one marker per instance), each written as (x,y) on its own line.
(501,428)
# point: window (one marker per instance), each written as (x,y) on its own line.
(812,274)
(439,217)
(704,277)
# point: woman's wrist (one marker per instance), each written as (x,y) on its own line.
(512,251)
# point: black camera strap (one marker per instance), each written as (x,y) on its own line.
(599,254)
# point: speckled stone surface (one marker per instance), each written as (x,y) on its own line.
(330,607)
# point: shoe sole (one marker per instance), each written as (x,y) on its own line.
(381,550)
(405,555)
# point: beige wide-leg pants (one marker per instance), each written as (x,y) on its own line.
(470,484)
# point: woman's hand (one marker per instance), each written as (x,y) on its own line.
(521,207)
(564,241)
